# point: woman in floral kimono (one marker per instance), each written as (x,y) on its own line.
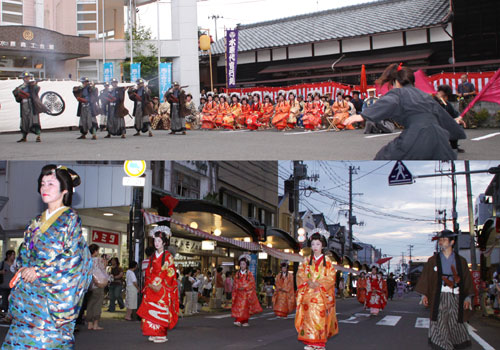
(209,113)
(284,296)
(246,111)
(268,112)
(222,110)
(245,302)
(361,288)
(159,309)
(54,272)
(315,319)
(309,118)
(255,114)
(294,110)
(228,120)
(375,294)
(280,118)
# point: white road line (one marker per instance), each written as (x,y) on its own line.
(422,322)
(305,132)
(361,315)
(404,312)
(480,340)
(389,321)
(380,135)
(352,319)
(485,136)
(219,316)
(231,131)
(262,315)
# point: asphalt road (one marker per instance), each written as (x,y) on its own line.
(226,145)
(216,331)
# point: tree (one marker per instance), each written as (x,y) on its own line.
(146,53)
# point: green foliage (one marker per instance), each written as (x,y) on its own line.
(482,116)
(212,197)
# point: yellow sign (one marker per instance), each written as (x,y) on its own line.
(28,35)
(134,168)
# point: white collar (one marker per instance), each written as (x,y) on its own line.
(243,272)
(317,258)
(49,215)
(158,254)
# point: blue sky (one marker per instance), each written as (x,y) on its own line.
(417,201)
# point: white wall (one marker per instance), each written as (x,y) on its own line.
(246,57)
(415,37)
(299,51)
(387,40)
(438,34)
(358,44)
(263,56)
(279,54)
(326,48)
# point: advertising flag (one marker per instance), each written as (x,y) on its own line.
(231,56)
(165,79)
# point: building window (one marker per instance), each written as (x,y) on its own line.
(231,202)
(252,211)
(185,186)
(86,18)
(88,68)
(11,12)
(158,170)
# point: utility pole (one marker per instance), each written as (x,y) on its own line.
(131,24)
(471,216)
(403,263)
(215,18)
(299,173)
(410,246)
(454,198)
(352,219)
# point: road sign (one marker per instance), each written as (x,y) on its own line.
(134,168)
(400,175)
(134,181)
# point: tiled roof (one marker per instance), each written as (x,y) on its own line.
(346,22)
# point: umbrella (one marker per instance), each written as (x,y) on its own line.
(383,260)
(363,84)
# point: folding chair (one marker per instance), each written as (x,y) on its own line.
(331,124)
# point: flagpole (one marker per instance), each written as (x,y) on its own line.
(225,56)
(158,43)
(130,35)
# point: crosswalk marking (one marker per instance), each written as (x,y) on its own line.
(422,322)
(304,132)
(481,341)
(352,319)
(389,321)
(219,316)
(379,135)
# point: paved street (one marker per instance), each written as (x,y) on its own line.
(400,326)
(226,145)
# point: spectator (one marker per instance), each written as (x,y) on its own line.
(116,285)
(99,281)
(149,251)
(187,287)
(268,289)
(132,290)
(341,287)
(228,288)
(7,270)
(207,286)
(197,280)
(391,286)
(219,287)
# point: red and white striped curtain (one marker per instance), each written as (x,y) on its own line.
(453,79)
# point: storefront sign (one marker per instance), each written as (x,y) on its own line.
(165,79)
(187,246)
(105,237)
(232,56)
(476,280)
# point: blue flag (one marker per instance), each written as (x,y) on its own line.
(135,71)
(165,79)
(108,71)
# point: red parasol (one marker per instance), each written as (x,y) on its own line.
(363,84)
(383,260)
(170,203)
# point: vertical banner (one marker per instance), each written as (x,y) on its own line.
(476,281)
(253,266)
(108,71)
(165,79)
(231,56)
(135,72)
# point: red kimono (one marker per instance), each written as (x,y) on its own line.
(252,120)
(309,118)
(223,110)
(208,115)
(375,298)
(280,118)
(245,302)
(268,111)
(284,296)
(241,120)
(361,290)
(159,310)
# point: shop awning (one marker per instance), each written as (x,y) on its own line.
(282,255)
(281,239)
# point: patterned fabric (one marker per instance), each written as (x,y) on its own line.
(159,310)
(280,118)
(44,311)
(315,319)
(245,302)
(88,121)
(141,122)
(284,296)
(208,115)
(376,297)
(361,290)
(447,333)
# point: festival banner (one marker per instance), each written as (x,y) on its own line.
(165,79)
(108,71)
(231,56)
(135,72)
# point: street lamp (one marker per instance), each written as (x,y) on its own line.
(217,232)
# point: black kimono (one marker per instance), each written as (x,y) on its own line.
(427,127)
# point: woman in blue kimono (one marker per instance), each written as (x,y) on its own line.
(54,273)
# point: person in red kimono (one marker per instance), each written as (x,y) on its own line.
(268,112)
(318,109)
(375,293)
(385,291)
(246,111)
(294,110)
(223,110)
(159,309)
(284,296)
(209,113)
(309,118)
(245,302)
(282,112)
(361,288)
(256,112)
